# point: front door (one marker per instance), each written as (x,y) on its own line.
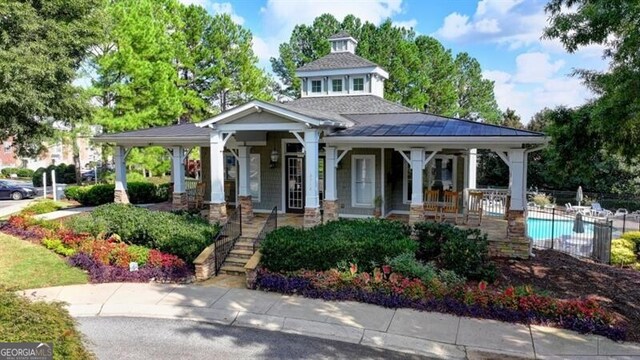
(294,184)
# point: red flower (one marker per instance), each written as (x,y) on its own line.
(386,269)
(482,286)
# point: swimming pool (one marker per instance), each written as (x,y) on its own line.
(541,229)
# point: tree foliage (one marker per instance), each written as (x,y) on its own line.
(42,45)
(422,73)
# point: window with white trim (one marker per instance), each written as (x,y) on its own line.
(316,86)
(336,85)
(363,180)
(254,177)
(358,84)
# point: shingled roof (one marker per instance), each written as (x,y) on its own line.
(340,35)
(348,104)
(424,124)
(338,60)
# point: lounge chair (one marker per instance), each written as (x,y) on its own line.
(621,212)
(431,203)
(568,208)
(450,209)
(474,206)
(597,210)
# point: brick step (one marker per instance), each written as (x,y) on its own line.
(232,260)
(241,253)
(232,270)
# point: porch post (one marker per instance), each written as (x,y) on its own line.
(179,199)
(217,205)
(471,159)
(311,204)
(416,211)
(518,243)
(120,193)
(331,193)
(244,175)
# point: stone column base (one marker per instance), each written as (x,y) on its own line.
(311,217)
(416,214)
(179,201)
(120,197)
(517,244)
(246,205)
(218,213)
(331,210)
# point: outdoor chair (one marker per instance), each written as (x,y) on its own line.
(597,210)
(569,208)
(198,196)
(450,208)
(431,203)
(474,206)
(621,212)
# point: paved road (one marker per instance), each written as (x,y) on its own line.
(139,338)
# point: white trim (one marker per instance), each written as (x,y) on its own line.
(344,152)
(408,161)
(382,181)
(457,141)
(257,198)
(262,127)
(348,71)
(354,216)
(354,159)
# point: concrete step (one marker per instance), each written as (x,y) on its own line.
(235,261)
(241,253)
(243,246)
(232,270)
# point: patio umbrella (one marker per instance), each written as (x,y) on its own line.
(579,195)
(578,224)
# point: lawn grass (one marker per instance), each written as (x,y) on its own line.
(27,266)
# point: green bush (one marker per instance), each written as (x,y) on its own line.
(623,252)
(86,224)
(20,172)
(633,236)
(42,207)
(139,254)
(464,251)
(65,174)
(363,242)
(139,193)
(22,320)
(182,235)
(142,192)
(407,265)
(58,247)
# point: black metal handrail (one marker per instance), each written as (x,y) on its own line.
(270,225)
(227,237)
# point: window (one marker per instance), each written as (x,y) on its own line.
(363,181)
(316,86)
(336,85)
(340,45)
(358,84)
(254,177)
(437,175)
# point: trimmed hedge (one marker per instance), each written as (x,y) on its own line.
(139,193)
(182,235)
(366,243)
(623,252)
(65,174)
(20,172)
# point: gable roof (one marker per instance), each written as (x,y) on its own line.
(348,104)
(338,60)
(425,124)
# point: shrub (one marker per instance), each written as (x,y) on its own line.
(142,192)
(363,242)
(540,199)
(139,254)
(86,224)
(623,252)
(633,236)
(65,174)
(42,207)
(407,265)
(182,235)
(20,172)
(22,320)
(139,193)
(58,247)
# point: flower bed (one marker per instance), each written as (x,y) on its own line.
(105,259)
(392,290)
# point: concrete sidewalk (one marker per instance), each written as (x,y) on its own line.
(432,334)
(64,213)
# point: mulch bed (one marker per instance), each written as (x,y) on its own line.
(564,276)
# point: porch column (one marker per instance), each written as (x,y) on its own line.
(179,200)
(331,193)
(217,205)
(518,243)
(244,175)
(471,162)
(120,192)
(311,204)
(416,211)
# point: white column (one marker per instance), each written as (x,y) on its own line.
(121,168)
(417,162)
(517,180)
(217,167)
(177,172)
(244,170)
(311,168)
(331,192)
(382,183)
(472,163)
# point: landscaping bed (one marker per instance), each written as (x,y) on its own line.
(107,241)
(563,276)
(446,269)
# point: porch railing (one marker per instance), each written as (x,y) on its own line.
(270,225)
(494,201)
(227,237)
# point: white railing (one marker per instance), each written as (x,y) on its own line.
(494,201)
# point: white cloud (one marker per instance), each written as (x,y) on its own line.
(487,26)
(407,24)
(536,67)
(455,25)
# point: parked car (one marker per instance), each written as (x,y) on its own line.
(15,191)
(88,175)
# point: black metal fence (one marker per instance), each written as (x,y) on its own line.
(570,232)
(227,237)
(270,225)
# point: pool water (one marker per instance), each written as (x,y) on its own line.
(540,229)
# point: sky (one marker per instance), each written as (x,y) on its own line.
(504,35)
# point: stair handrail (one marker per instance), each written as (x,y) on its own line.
(269,225)
(227,237)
